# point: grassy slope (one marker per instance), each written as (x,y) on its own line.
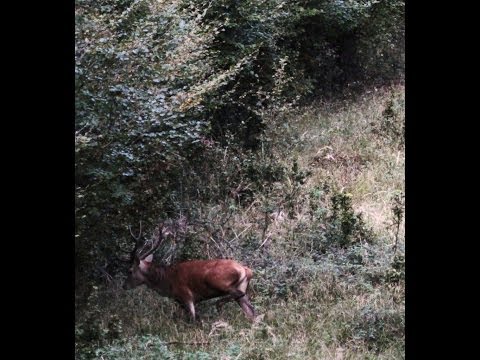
(328,308)
(342,145)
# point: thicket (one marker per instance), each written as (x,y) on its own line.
(171,98)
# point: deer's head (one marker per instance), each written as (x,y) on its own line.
(141,258)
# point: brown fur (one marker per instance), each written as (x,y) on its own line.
(193,281)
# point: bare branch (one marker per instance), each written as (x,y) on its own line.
(155,243)
(164,229)
(137,238)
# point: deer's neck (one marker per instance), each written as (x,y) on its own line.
(157,280)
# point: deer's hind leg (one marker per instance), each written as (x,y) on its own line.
(241,297)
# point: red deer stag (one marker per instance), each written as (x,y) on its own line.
(191,281)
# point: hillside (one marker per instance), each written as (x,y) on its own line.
(325,239)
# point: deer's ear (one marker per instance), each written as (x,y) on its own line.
(149,258)
(145,263)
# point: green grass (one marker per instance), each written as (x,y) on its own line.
(314,301)
(325,316)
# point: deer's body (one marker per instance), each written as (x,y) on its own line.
(199,280)
(193,281)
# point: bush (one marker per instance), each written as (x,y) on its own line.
(93,329)
(396,272)
(344,227)
(391,128)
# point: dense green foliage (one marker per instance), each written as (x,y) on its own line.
(194,109)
